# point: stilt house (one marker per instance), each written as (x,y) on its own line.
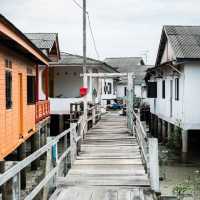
(173,84)
(19,59)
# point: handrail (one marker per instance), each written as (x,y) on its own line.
(143,139)
(149,150)
(27,161)
(77,134)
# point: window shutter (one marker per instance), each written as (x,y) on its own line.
(125,91)
(163,89)
(30,89)
(152,90)
(8,77)
(177,89)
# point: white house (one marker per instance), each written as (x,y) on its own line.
(65,78)
(173,84)
(67,81)
(129,65)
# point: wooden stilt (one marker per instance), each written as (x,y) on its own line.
(159,130)
(155,126)
(35,145)
(164,131)
(184,145)
(22,155)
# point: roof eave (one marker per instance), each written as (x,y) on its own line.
(12,32)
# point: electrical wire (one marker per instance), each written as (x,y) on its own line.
(90,27)
(92,34)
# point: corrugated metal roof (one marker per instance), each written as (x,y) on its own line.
(42,40)
(125,64)
(185,40)
(68,59)
(129,64)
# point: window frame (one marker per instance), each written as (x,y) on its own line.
(163,89)
(152,89)
(8,86)
(109,88)
(177,89)
(8,97)
(125,91)
(31,97)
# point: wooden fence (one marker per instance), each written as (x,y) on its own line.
(56,163)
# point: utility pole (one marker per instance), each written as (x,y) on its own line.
(85,82)
(84,36)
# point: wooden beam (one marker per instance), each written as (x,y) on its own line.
(105,75)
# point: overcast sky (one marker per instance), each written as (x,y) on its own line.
(121,27)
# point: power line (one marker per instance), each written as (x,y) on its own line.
(90,27)
(77,4)
(93,38)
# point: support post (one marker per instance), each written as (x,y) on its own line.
(72,145)
(130,100)
(47,170)
(169,130)
(155,126)
(184,145)
(47,82)
(85,112)
(37,84)
(91,87)
(94,116)
(11,189)
(48,128)
(35,145)
(61,124)
(22,156)
(159,130)
(154,164)
(164,131)
(152,125)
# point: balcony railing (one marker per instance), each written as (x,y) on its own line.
(42,110)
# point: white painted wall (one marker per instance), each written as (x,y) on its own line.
(120,90)
(168,53)
(186,111)
(108,96)
(138,91)
(161,107)
(42,95)
(62,105)
(67,81)
(192,96)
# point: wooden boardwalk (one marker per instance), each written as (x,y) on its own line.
(109,166)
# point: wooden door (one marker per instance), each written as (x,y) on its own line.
(20,104)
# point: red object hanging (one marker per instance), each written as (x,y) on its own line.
(83,91)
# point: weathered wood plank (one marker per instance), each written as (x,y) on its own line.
(109,166)
(114,181)
(115,172)
(109,162)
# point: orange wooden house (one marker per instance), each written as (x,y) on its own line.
(19,60)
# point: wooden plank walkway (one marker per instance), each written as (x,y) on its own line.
(109,166)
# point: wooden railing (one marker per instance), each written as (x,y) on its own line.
(42,110)
(56,164)
(149,151)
